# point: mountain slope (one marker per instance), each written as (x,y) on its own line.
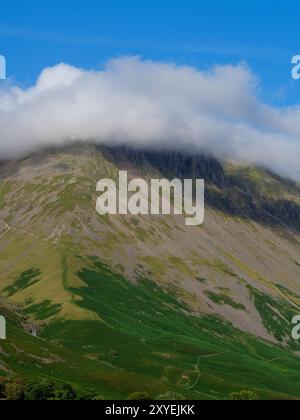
(147,342)
(174,296)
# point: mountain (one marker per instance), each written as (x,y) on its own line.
(123,304)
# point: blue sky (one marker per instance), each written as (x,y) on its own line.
(35,34)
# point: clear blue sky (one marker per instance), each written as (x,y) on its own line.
(264,33)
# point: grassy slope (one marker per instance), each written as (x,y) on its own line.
(147,341)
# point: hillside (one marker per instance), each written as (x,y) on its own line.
(123,301)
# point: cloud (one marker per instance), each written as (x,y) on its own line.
(150,104)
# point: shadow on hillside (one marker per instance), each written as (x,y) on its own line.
(231,195)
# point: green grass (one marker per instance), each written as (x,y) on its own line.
(27,278)
(277,315)
(147,341)
(222,299)
(43,311)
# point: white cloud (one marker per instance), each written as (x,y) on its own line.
(151,104)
